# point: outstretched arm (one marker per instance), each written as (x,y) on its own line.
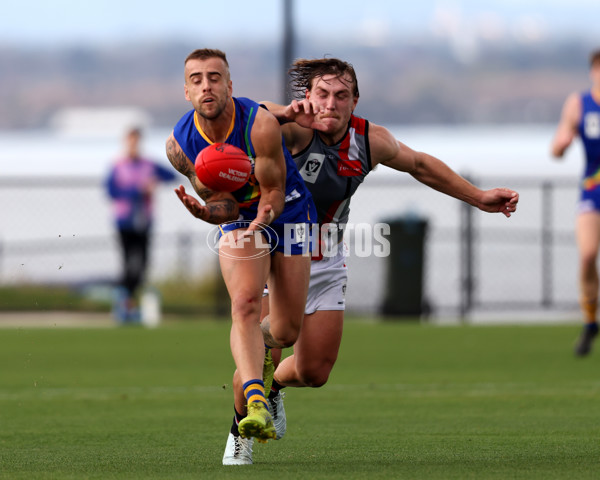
(219,206)
(567,125)
(297,120)
(301,112)
(431,171)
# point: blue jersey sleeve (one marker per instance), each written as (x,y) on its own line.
(163,174)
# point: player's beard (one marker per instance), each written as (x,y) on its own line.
(213,112)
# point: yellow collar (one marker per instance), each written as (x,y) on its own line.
(201,132)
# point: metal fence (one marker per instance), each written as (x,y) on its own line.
(59,230)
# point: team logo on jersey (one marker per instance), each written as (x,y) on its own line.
(591,125)
(300,232)
(310,170)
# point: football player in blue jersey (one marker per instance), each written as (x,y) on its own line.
(253,250)
(581,117)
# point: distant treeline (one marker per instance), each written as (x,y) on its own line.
(402,82)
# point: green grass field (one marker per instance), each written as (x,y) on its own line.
(404,401)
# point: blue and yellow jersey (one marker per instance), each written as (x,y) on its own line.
(192,140)
(589,131)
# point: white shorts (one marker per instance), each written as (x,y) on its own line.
(327,284)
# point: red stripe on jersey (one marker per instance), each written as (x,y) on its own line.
(349,168)
(344,146)
(358,124)
(346,166)
(331,211)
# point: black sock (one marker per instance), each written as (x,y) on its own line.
(237,418)
(275,387)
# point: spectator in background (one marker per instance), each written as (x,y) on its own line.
(581,117)
(131,184)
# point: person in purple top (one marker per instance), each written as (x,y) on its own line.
(131,184)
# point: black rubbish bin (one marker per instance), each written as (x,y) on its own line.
(404,277)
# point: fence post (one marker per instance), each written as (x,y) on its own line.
(466,260)
(547,241)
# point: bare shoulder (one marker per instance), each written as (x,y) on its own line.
(572,108)
(265,125)
(266,133)
(383,144)
(266,118)
(573,98)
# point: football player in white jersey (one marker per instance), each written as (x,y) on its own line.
(342,145)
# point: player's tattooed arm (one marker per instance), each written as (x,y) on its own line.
(179,160)
(219,206)
(222,211)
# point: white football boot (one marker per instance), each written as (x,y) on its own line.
(278,414)
(238,450)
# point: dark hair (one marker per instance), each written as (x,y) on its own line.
(204,53)
(303,72)
(594,57)
(134,131)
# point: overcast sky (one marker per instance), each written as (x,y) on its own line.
(60,22)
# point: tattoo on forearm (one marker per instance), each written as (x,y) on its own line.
(221,211)
(203,192)
(178,159)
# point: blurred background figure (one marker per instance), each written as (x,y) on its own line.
(131,184)
(581,117)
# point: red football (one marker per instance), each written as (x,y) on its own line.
(223,167)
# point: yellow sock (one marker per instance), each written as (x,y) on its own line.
(254,390)
(589,308)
